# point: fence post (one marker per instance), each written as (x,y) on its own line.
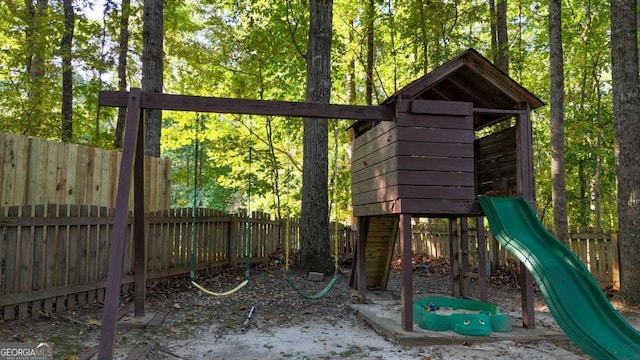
(232,246)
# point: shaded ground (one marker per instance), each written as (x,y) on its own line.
(284,325)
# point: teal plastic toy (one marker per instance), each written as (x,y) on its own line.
(479,318)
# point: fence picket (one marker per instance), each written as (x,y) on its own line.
(55,256)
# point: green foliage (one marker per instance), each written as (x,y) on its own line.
(256,50)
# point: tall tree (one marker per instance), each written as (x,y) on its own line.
(315,248)
(558,187)
(626,111)
(123,52)
(66,47)
(502,37)
(36,60)
(152,69)
(370,15)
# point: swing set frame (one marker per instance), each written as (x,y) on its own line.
(132,168)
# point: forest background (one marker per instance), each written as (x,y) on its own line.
(256,50)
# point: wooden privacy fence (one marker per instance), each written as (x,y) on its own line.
(55,257)
(596,248)
(36,171)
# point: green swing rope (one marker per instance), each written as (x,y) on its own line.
(194,233)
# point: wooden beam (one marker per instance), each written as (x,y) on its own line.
(361,256)
(406,270)
(245,106)
(116,249)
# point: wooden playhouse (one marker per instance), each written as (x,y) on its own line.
(461,131)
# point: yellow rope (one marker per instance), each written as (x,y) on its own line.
(240,286)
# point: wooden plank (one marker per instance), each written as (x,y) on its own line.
(434,178)
(416,148)
(103,233)
(374,152)
(81,175)
(7,157)
(92,255)
(441,136)
(434,121)
(385,129)
(242,106)
(409,162)
(105,178)
(439,207)
(25,264)
(497,138)
(451,108)
(39,252)
(61,173)
(36,171)
(396,192)
(94,177)
(63,251)
(50,167)
(11,281)
(71,174)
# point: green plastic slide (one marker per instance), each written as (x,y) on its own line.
(573,296)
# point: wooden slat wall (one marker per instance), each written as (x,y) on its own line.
(381,239)
(55,257)
(35,171)
(373,167)
(425,154)
(496,160)
(436,155)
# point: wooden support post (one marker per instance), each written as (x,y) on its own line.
(526,188)
(464,261)
(482,258)
(116,249)
(139,226)
(406,295)
(526,292)
(361,256)
(454,253)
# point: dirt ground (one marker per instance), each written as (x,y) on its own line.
(284,325)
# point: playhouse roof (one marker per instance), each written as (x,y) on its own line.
(470,77)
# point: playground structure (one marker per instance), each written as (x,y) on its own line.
(459,132)
(396,173)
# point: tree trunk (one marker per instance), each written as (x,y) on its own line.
(494,31)
(371,10)
(626,114)
(35,33)
(315,248)
(152,71)
(502,36)
(123,51)
(66,47)
(558,188)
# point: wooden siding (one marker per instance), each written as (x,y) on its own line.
(496,161)
(35,171)
(435,156)
(373,167)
